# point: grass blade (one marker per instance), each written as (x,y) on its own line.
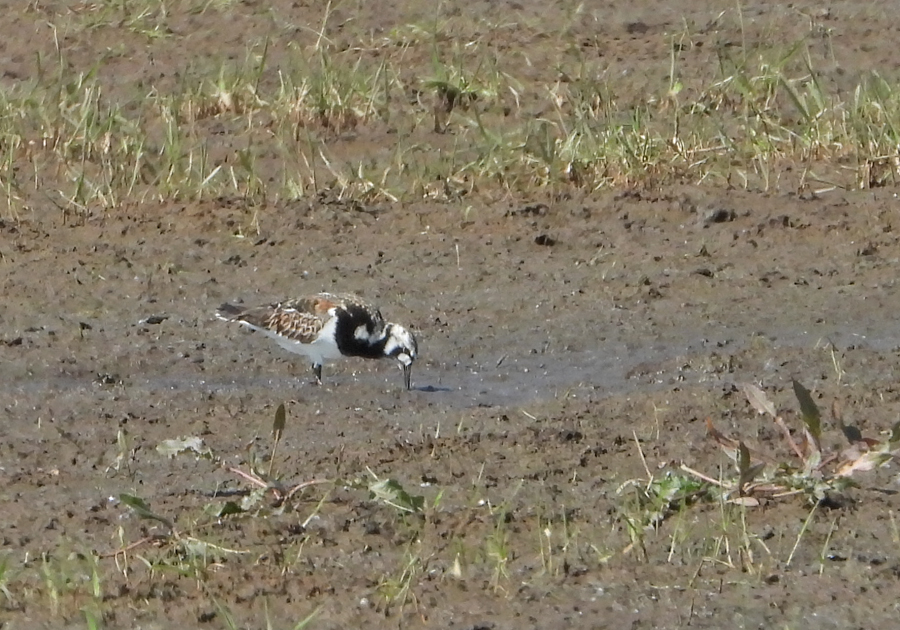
(143,510)
(810,412)
(279,423)
(277,429)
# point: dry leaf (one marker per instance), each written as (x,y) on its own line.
(867,461)
(730,446)
(758,399)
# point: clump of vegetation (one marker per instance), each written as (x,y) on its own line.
(817,472)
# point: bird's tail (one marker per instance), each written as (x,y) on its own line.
(229,312)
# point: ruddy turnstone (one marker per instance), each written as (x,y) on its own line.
(328,326)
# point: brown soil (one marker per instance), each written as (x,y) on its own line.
(569,343)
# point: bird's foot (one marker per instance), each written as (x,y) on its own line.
(317,371)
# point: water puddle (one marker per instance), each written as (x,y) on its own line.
(619,367)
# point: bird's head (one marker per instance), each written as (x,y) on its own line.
(401,345)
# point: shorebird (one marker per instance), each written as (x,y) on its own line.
(328,326)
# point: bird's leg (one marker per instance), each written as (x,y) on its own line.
(407,374)
(317,370)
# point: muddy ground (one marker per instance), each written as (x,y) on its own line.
(569,343)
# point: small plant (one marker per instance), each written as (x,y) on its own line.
(649,502)
(190,555)
(390,492)
(817,473)
(264,480)
(397,589)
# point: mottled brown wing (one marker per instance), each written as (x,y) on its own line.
(299,319)
(293,324)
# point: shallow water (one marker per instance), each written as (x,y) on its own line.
(620,367)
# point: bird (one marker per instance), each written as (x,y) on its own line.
(328,326)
